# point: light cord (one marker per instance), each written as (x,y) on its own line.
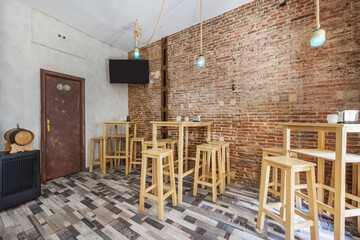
(201,27)
(317,14)
(157,24)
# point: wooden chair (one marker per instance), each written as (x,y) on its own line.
(289,166)
(158,155)
(93,161)
(209,150)
(225,155)
(133,151)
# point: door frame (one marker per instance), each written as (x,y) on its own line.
(43,74)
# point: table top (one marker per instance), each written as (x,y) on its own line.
(119,123)
(182,123)
(322,126)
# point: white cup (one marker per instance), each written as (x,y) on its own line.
(178,118)
(332,118)
(186,119)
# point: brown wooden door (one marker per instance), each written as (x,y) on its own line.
(62,142)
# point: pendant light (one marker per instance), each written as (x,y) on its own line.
(318,35)
(201,58)
(138,31)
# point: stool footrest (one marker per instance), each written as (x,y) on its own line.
(303,215)
(273,205)
(304,224)
(148,189)
(274,216)
(168,193)
(151,196)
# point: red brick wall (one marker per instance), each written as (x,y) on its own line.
(264,51)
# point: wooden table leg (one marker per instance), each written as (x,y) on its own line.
(181,158)
(286,139)
(134,130)
(186,148)
(208,137)
(321,170)
(127,150)
(340,174)
(154,136)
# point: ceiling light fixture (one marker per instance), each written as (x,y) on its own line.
(138,31)
(201,58)
(318,35)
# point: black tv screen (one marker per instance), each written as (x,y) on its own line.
(129,71)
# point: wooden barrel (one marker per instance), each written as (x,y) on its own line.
(19,136)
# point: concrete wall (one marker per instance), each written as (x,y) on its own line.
(263,50)
(20,64)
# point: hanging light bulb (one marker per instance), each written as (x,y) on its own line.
(137,33)
(136,53)
(318,35)
(201,58)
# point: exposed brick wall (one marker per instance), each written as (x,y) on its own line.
(264,51)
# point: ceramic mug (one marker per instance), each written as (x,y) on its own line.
(332,118)
(178,118)
(186,119)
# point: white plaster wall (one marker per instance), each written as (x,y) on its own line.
(20,64)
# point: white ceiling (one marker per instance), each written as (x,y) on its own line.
(113,21)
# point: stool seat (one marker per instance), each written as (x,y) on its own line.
(168,140)
(207,146)
(157,151)
(290,162)
(274,150)
(150,144)
(221,143)
(138,139)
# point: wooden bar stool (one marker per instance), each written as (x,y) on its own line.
(225,155)
(216,179)
(289,166)
(93,161)
(133,147)
(275,152)
(158,155)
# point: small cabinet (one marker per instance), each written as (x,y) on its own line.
(54,34)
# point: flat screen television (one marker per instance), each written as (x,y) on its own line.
(129,71)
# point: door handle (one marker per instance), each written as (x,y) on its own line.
(48,125)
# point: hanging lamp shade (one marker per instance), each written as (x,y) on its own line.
(317,37)
(201,60)
(136,53)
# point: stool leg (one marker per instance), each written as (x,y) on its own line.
(264,184)
(172,179)
(228,164)
(313,213)
(92,155)
(283,194)
(213,175)
(166,178)
(115,150)
(101,155)
(204,170)
(290,208)
(160,189)
(154,175)
(223,164)
(131,154)
(196,177)
(221,167)
(142,183)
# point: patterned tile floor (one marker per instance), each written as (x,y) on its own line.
(92,206)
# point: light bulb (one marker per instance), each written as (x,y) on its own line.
(201,60)
(317,37)
(136,53)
